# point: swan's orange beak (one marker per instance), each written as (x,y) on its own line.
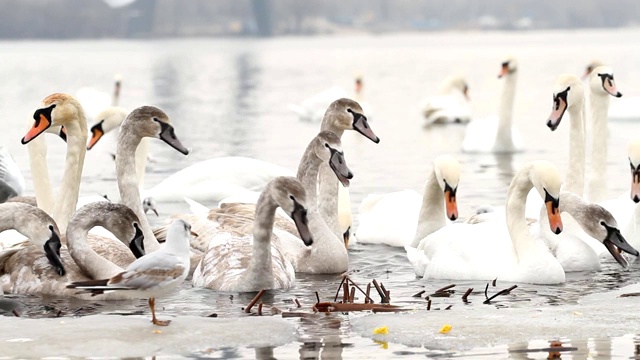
(609,86)
(635,184)
(96,134)
(555,221)
(450,202)
(41,124)
(559,107)
(504,71)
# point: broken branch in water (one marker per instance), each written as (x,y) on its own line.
(419,294)
(444,292)
(254,301)
(260,309)
(466,295)
(382,294)
(335,298)
(630,294)
(346,307)
(501,292)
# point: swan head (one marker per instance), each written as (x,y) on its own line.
(347,114)
(509,66)
(55,110)
(590,66)
(567,93)
(109,119)
(289,194)
(447,171)
(41,230)
(455,83)
(328,148)
(545,177)
(149,204)
(117,218)
(358,84)
(634,163)
(149,121)
(602,83)
(598,223)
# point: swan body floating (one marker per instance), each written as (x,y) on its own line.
(451,105)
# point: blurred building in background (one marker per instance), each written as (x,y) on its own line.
(182,18)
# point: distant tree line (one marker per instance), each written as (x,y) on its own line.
(170,18)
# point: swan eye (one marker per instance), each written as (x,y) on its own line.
(603,224)
(349,110)
(326,145)
(292,198)
(51,227)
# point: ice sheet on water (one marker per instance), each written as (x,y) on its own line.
(599,315)
(134,336)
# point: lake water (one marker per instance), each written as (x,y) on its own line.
(229,97)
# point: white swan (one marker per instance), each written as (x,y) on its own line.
(497,134)
(601,87)
(58,110)
(625,109)
(403,218)
(94,101)
(493,248)
(242,258)
(313,108)
(150,276)
(631,227)
(451,105)
(11,179)
(25,272)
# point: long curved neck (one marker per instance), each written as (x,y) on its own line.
(599,106)
(67,199)
(128,184)
(89,262)
(142,153)
(515,209)
(12,217)
(432,216)
(308,176)
(505,115)
(40,174)
(262,229)
(575,176)
(328,185)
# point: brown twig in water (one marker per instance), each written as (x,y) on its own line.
(388,298)
(260,309)
(418,294)
(352,294)
(15,313)
(367,299)
(493,283)
(254,301)
(345,291)
(429,304)
(335,298)
(317,297)
(366,294)
(466,294)
(386,310)
(342,307)
(297,302)
(448,307)
(630,294)
(382,297)
(501,292)
(445,288)
(385,292)
(486,288)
